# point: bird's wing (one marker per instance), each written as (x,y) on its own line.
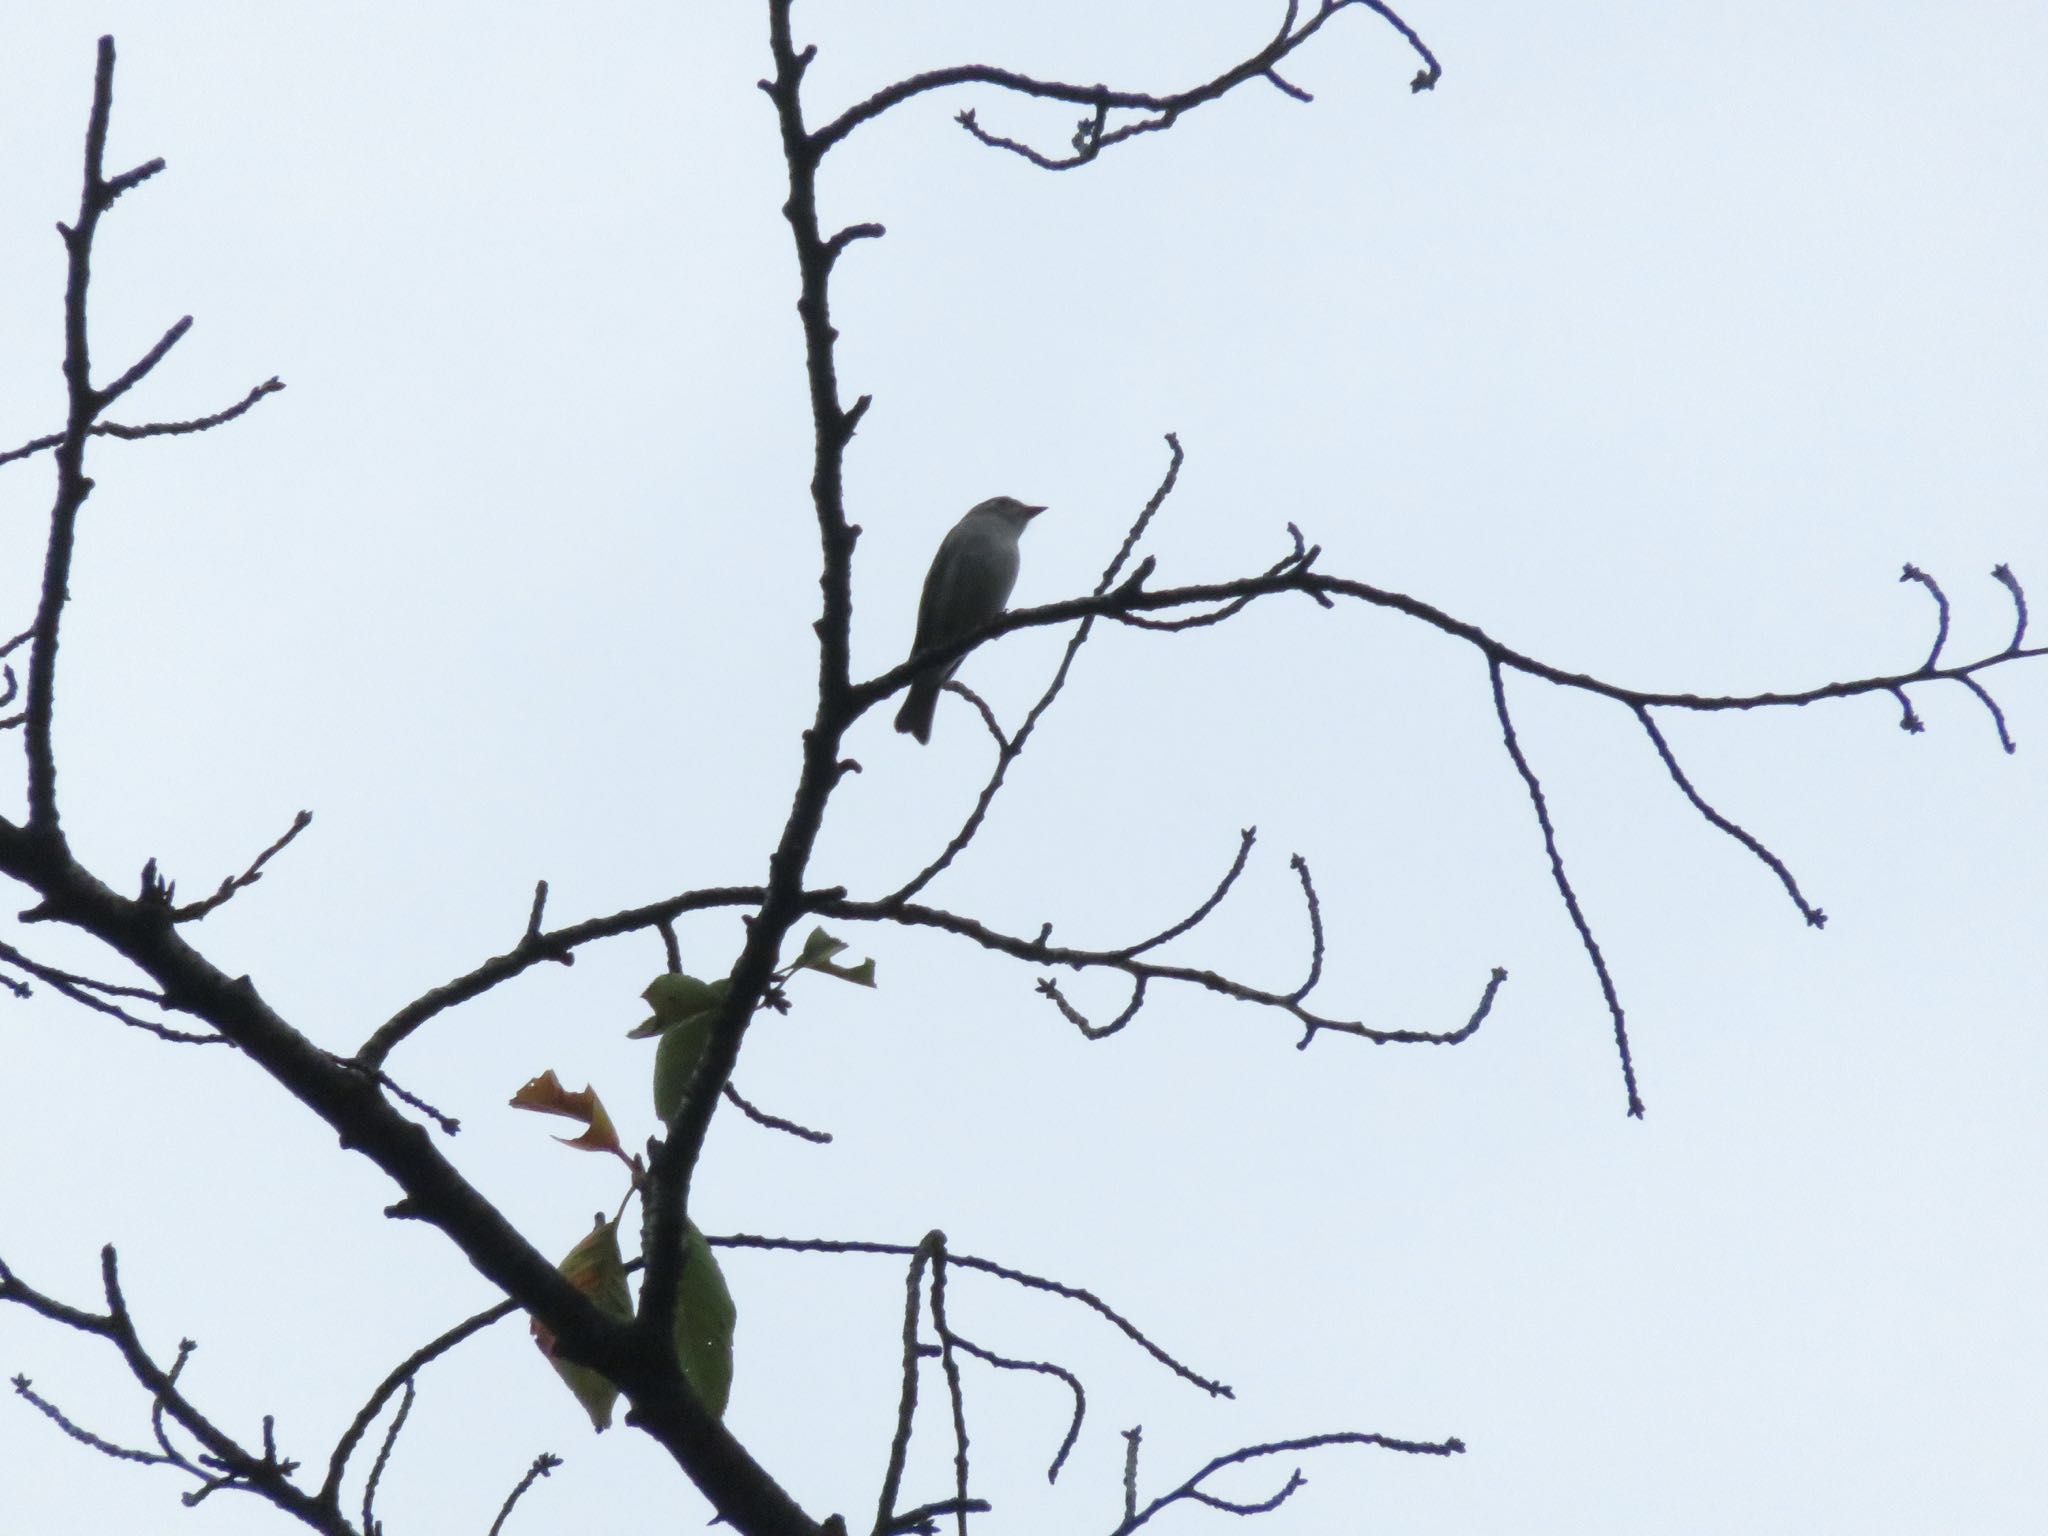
(935,581)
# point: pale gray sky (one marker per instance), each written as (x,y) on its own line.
(1655,340)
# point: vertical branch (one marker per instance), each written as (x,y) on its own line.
(674,1162)
(83,407)
(906,1404)
(949,1363)
(72,485)
(1563,883)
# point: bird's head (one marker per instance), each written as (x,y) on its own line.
(1012,511)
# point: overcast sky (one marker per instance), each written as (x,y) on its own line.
(1655,341)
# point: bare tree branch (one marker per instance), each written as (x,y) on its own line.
(1191,1491)
(151,429)
(1155,112)
(543,1464)
(222,1462)
(1031,1282)
(1564,888)
(193,911)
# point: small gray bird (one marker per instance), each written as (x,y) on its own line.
(966,587)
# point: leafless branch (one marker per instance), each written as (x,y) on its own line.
(532,949)
(1564,887)
(949,1366)
(1152,112)
(1191,1491)
(1038,951)
(906,1398)
(371,1527)
(543,1464)
(193,911)
(99,996)
(1042,1368)
(221,1461)
(1032,1282)
(399,1378)
(761,1117)
(1814,916)
(150,429)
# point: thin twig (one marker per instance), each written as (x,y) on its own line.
(405,1402)
(774,1122)
(1191,1489)
(1042,1368)
(1059,1288)
(1814,916)
(906,1401)
(399,1376)
(1564,887)
(949,1366)
(543,1464)
(150,429)
(1155,112)
(193,911)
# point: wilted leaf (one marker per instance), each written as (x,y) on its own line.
(595,1267)
(547,1095)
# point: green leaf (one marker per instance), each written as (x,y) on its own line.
(819,947)
(705,1316)
(675,997)
(595,1268)
(818,953)
(675,1060)
(862,975)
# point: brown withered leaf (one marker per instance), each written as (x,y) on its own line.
(546,1095)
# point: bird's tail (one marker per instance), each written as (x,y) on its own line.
(915,717)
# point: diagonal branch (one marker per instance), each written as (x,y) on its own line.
(224,1463)
(1815,918)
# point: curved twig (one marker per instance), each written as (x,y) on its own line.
(1042,1368)
(1040,952)
(1157,112)
(1245,839)
(397,1379)
(1191,1490)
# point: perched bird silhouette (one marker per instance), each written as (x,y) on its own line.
(967,586)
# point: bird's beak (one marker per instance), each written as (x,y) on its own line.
(1033,511)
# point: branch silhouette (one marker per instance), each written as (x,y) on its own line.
(376,1120)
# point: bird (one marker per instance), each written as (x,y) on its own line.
(967,586)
